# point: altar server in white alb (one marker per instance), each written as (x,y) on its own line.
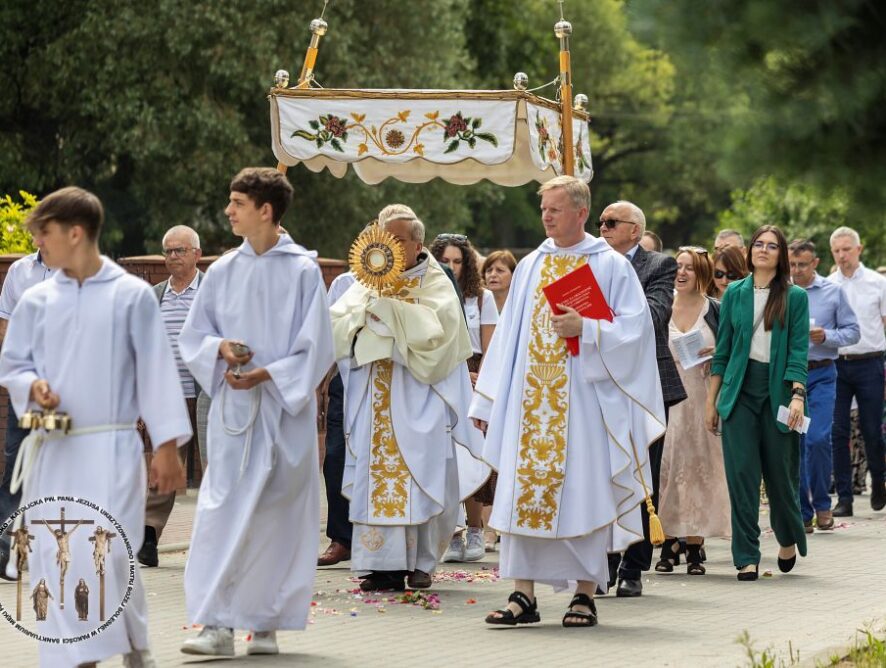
(256,532)
(568,435)
(90,342)
(412,452)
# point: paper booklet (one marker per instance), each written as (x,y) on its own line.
(784,413)
(688,347)
(579,290)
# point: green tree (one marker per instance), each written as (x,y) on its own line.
(795,90)
(801,211)
(156,109)
(629,85)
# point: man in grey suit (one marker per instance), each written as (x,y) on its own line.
(622,225)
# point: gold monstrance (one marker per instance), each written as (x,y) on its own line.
(376,258)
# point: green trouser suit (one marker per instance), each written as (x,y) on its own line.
(754,444)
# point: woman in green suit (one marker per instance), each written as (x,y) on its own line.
(759,365)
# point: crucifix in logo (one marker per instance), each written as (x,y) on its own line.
(63,555)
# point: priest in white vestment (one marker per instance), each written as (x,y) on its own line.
(256,531)
(90,342)
(568,435)
(412,454)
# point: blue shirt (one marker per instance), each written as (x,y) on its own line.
(830,309)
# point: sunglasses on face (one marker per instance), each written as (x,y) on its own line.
(610,223)
(732,276)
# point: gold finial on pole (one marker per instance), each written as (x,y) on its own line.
(563,30)
(318,29)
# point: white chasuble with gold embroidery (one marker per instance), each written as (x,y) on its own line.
(412,452)
(569,435)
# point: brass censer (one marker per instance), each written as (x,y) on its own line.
(48,421)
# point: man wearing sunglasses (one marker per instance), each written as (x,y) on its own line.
(622,224)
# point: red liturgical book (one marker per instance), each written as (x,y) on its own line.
(579,290)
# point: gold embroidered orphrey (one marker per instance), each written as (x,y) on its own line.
(389,476)
(541,456)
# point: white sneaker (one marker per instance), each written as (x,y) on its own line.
(475,549)
(456,549)
(212,641)
(263,642)
(139,658)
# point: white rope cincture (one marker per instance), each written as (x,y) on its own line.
(245,429)
(30,448)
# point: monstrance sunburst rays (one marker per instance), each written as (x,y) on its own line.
(376,258)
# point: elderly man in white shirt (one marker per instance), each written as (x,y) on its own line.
(22,274)
(859,371)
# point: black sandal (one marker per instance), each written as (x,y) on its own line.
(693,560)
(666,563)
(586,619)
(528,615)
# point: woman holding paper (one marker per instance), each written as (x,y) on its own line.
(693,498)
(759,366)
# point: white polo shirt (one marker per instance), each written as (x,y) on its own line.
(24,273)
(866,292)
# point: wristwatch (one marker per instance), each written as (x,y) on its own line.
(799,392)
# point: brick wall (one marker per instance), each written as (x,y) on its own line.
(152,269)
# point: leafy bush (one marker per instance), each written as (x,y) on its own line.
(14,236)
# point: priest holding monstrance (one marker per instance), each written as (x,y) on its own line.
(570,404)
(401,342)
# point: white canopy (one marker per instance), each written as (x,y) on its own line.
(509,137)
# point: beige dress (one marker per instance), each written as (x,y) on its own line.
(693,498)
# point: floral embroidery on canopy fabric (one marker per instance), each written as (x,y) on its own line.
(388,140)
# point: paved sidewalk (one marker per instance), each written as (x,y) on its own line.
(680,620)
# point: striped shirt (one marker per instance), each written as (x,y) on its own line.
(175,306)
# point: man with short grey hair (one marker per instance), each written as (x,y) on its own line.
(729,238)
(622,224)
(398,349)
(859,371)
(181,248)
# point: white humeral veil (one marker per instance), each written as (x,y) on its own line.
(608,411)
(412,453)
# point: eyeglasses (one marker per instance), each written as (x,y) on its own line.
(610,223)
(176,252)
(451,237)
(732,276)
(693,249)
(771,247)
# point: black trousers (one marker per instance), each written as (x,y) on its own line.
(638,557)
(338,526)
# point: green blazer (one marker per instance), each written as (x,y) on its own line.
(787,354)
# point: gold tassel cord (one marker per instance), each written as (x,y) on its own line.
(656,532)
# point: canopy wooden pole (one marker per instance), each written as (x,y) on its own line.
(563,29)
(318,29)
